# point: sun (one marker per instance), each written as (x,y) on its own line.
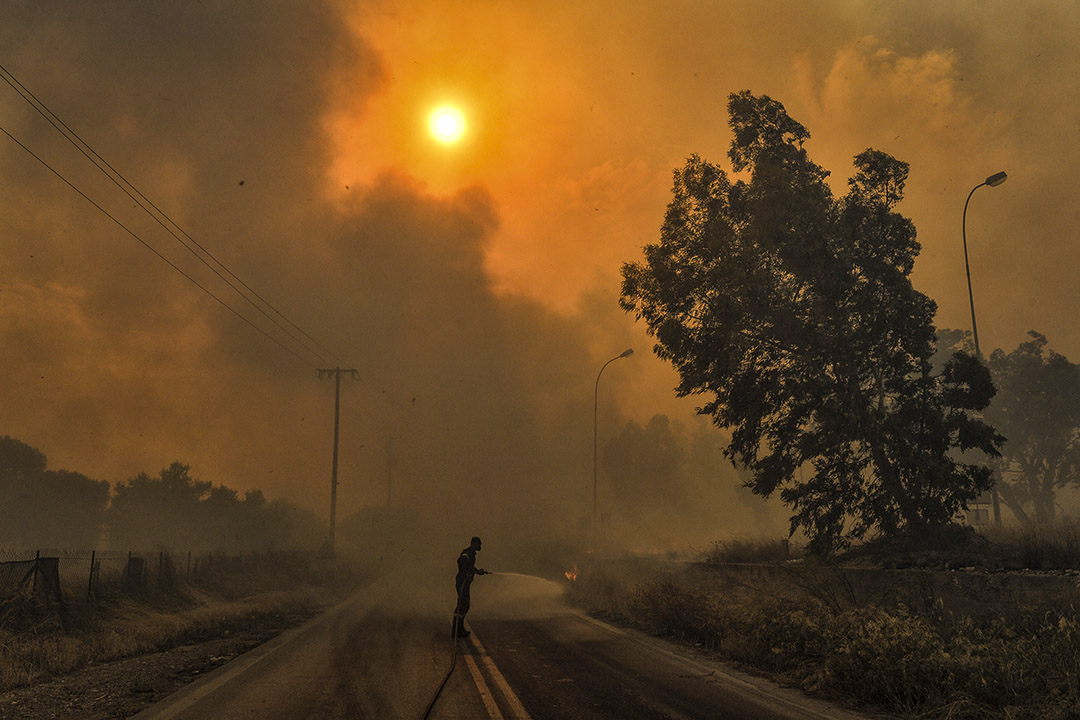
(447,124)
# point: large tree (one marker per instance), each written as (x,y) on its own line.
(793,313)
(1038,409)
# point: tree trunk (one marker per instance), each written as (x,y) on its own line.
(891,480)
(1044,503)
(1009,496)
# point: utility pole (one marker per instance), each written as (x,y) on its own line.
(336,373)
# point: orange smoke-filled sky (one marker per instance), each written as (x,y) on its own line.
(579,111)
(473,284)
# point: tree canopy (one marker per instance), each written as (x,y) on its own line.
(1038,409)
(792,312)
(65,510)
(47,508)
(176,510)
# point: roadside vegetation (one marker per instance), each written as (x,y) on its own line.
(918,648)
(1048,546)
(789,311)
(241,573)
(38,642)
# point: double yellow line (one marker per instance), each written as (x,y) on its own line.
(511,701)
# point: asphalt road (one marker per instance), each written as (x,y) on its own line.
(383,654)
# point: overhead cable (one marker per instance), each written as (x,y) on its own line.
(152,249)
(166,222)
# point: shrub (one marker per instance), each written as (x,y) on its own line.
(1019,664)
(752,551)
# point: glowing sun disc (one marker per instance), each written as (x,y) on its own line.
(447,124)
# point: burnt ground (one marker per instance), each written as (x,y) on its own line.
(121,688)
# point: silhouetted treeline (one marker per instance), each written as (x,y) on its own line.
(46,508)
(41,508)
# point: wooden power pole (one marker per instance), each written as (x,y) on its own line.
(336,374)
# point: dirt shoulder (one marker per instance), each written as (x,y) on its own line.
(121,688)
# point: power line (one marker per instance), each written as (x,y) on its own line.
(72,137)
(163,219)
(152,249)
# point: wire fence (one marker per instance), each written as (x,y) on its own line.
(59,577)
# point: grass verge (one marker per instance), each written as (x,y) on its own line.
(1017,663)
(37,643)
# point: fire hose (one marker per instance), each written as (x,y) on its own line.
(458,620)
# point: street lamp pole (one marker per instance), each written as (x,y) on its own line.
(596,434)
(992,181)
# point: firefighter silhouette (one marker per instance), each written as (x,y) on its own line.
(466,564)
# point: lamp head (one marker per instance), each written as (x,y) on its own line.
(627,353)
(996,179)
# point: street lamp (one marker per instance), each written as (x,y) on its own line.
(596,395)
(992,181)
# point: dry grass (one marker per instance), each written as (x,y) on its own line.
(1017,664)
(1052,546)
(131,628)
(752,551)
(36,643)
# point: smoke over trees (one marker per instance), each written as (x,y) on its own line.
(648,469)
(666,472)
(62,509)
(183,512)
(792,311)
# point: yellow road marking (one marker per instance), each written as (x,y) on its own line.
(485,693)
(512,700)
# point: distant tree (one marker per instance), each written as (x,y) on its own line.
(40,508)
(19,461)
(647,467)
(793,312)
(285,525)
(221,518)
(180,512)
(74,506)
(949,342)
(666,482)
(148,512)
(1037,408)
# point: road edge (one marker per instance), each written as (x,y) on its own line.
(184,697)
(791,701)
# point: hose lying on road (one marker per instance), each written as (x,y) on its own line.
(453,660)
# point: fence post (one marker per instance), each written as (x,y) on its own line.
(90,584)
(37,569)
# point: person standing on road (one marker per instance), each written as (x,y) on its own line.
(466,569)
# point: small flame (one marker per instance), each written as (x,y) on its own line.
(571,575)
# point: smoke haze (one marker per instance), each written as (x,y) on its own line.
(473,287)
